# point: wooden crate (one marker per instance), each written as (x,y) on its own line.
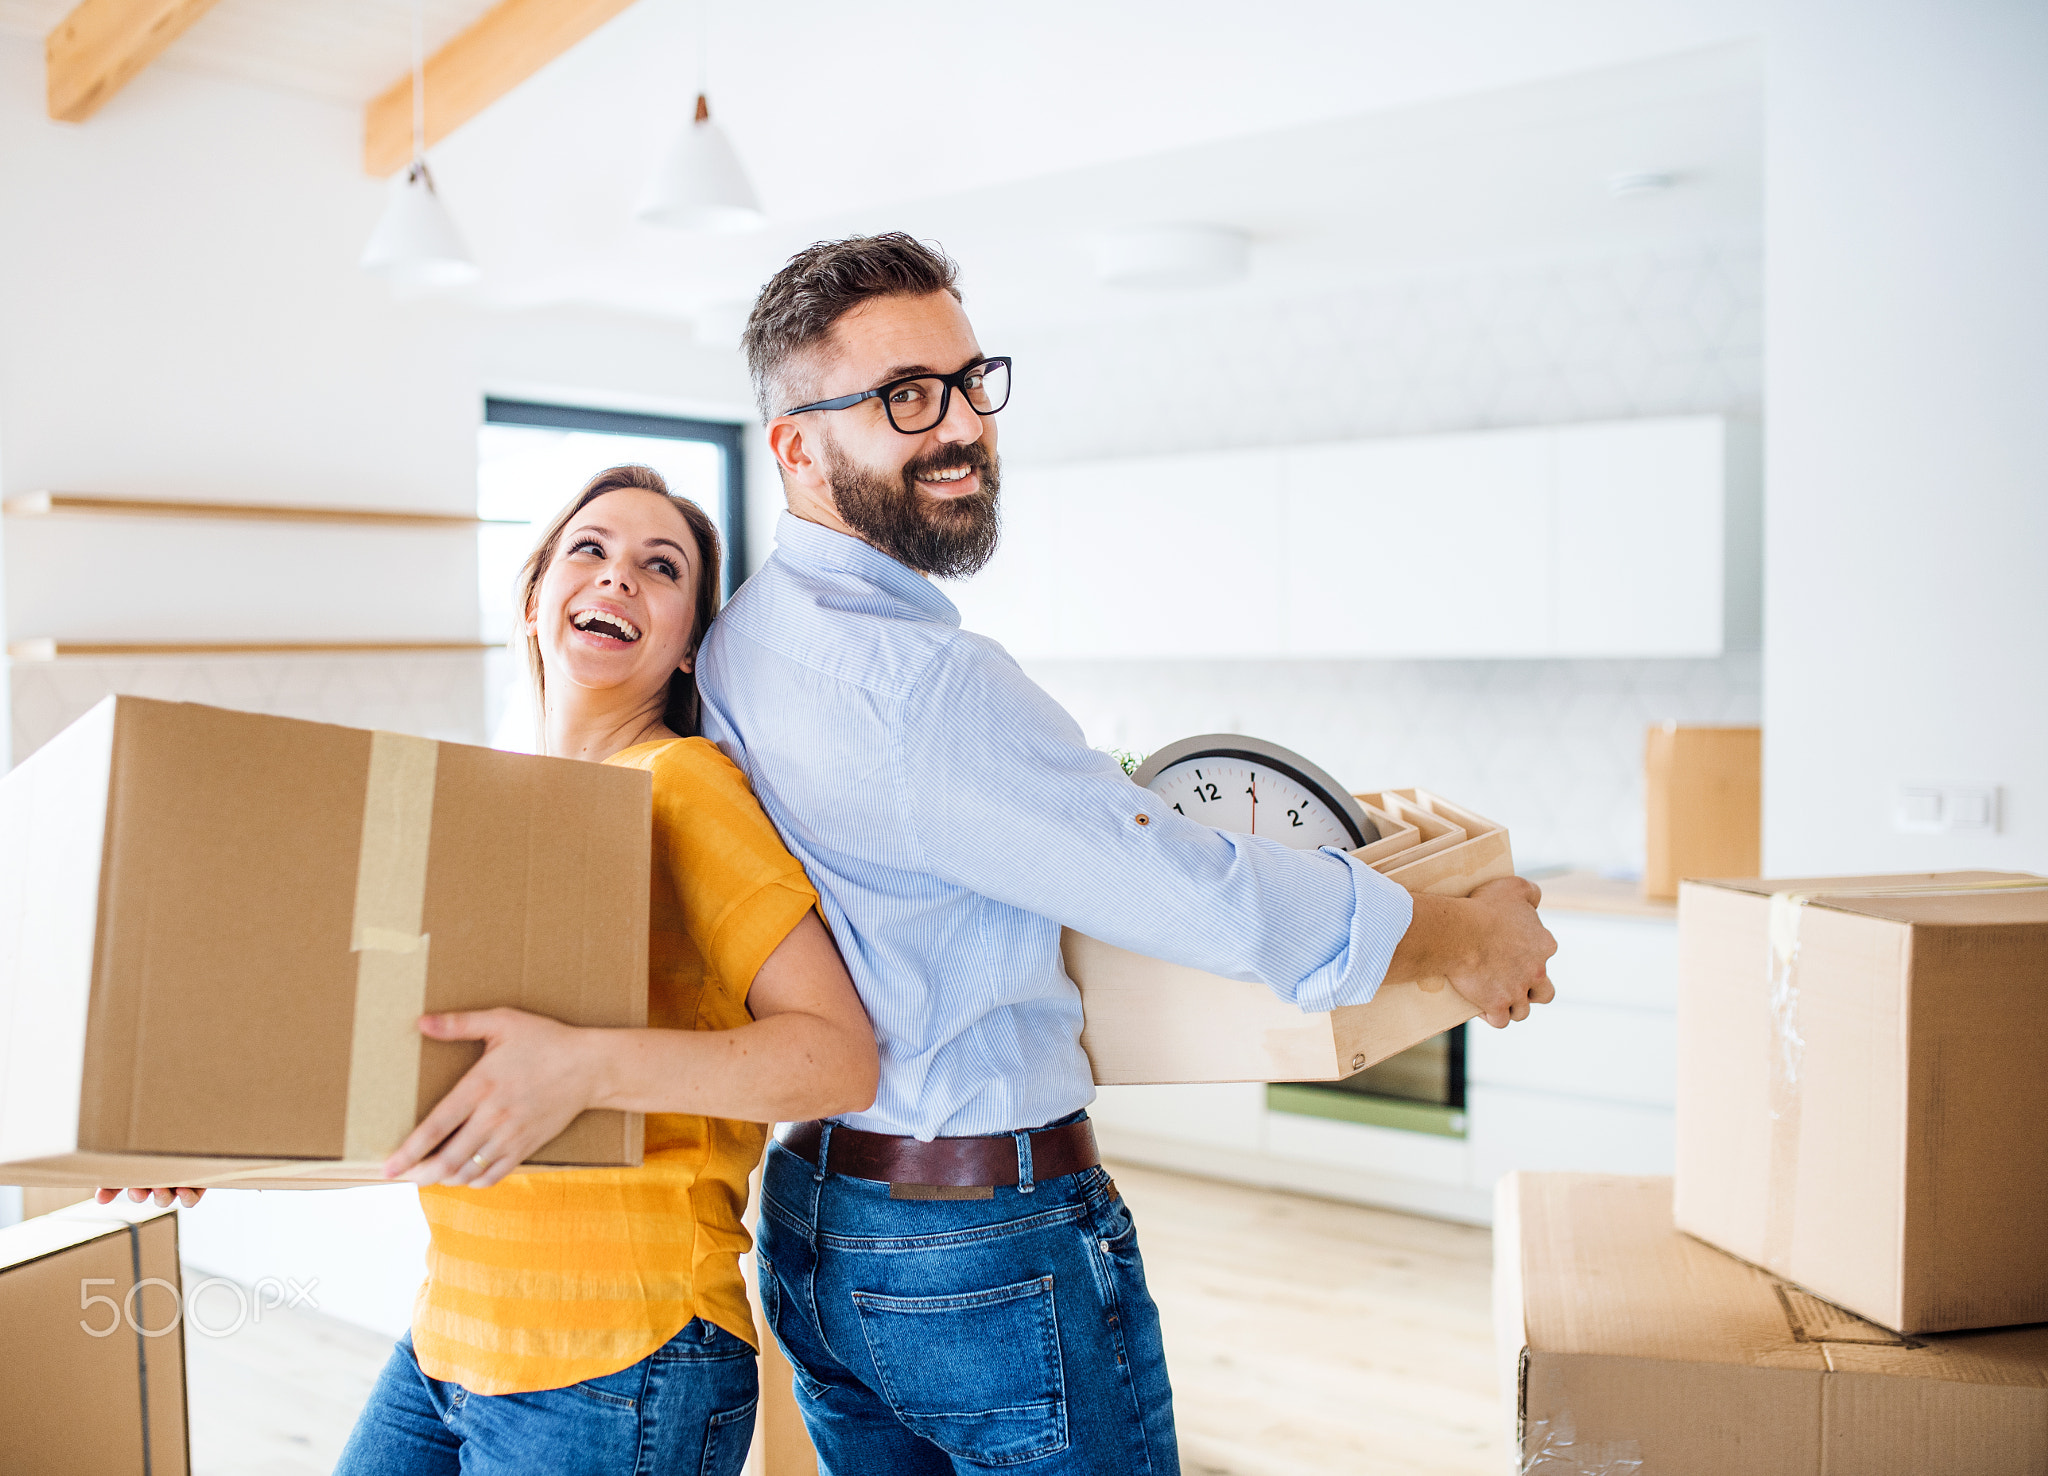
(1149,1021)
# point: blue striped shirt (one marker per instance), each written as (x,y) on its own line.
(952,818)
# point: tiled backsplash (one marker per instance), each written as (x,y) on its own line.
(436,695)
(1551,749)
(1675,330)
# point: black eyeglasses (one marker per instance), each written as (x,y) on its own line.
(920,402)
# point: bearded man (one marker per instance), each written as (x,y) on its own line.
(952,1273)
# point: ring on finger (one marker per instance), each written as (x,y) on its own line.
(482,1163)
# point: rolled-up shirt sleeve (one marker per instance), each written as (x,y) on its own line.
(1006,798)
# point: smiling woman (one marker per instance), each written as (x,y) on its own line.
(594,1320)
(528,452)
(585,616)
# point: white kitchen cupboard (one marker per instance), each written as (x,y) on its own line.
(1609,539)
(1574,1049)
(1144,557)
(1434,546)
(1638,549)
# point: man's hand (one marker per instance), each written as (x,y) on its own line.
(1490,945)
(536,1074)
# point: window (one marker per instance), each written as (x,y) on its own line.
(532,458)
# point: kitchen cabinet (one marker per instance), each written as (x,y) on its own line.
(1605,540)
(1433,546)
(1638,547)
(1572,1048)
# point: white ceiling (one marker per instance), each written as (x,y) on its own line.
(1351,137)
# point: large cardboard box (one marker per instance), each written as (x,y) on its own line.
(217,931)
(92,1352)
(1862,1089)
(1146,1020)
(1629,1349)
(1703,804)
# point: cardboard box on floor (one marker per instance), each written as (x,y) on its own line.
(1628,1347)
(92,1341)
(217,931)
(1862,1089)
(1703,805)
(1147,1020)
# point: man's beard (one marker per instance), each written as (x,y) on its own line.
(948,538)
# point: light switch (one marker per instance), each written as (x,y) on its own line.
(1918,809)
(1930,809)
(1974,808)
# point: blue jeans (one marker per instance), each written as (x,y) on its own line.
(940,1336)
(687,1409)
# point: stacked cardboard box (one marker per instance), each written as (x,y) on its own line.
(218,930)
(1862,1084)
(92,1344)
(1631,1349)
(1702,804)
(1844,1279)
(1152,1021)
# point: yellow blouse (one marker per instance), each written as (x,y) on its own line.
(547,1279)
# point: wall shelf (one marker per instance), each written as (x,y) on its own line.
(48,504)
(50,650)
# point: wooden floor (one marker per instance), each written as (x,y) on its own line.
(277,1397)
(1305,1338)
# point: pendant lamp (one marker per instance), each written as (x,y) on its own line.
(699,184)
(416,246)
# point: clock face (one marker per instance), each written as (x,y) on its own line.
(1256,788)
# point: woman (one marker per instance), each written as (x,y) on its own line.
(595,1320)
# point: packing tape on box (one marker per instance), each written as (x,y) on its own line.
(1551,1448)
(390,949)
(1788,1045)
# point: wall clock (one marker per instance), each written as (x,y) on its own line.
(1256,788)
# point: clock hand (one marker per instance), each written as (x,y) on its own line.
(1255,804)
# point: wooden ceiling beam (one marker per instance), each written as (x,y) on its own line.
(102,45)
(511,42)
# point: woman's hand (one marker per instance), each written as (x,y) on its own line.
(163,1197)
(535,1076)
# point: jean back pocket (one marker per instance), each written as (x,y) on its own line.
(976,1373)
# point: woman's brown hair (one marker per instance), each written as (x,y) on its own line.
(682,712)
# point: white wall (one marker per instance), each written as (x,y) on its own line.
(1907,522)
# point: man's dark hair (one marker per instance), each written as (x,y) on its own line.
(820,285)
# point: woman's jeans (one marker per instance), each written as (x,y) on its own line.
(687,1409)
(936,1336)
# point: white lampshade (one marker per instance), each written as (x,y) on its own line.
(699,185)
(415,246)
(1172,256)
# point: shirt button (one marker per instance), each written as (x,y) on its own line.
(1142,818)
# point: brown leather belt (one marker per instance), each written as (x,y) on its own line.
(945,1164)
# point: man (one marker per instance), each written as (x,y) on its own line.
(953,1276)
